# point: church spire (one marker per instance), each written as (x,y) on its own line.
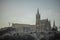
(37,10)
(38,15)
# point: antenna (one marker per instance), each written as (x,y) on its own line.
(9,24)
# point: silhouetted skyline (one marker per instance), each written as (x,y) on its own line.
(24,11)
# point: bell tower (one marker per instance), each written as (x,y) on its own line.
(38,23)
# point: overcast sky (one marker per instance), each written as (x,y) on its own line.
(24,11)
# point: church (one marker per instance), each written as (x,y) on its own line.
(40,28)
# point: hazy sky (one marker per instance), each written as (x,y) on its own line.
(24,11)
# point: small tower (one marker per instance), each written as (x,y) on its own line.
(54,24)
(54,27)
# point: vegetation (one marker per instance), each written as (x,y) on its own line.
(18,37)
(6,30)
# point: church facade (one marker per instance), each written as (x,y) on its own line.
(40,28)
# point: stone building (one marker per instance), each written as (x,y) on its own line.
(40,28)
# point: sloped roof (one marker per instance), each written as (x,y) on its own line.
(22,24)
(44,20)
